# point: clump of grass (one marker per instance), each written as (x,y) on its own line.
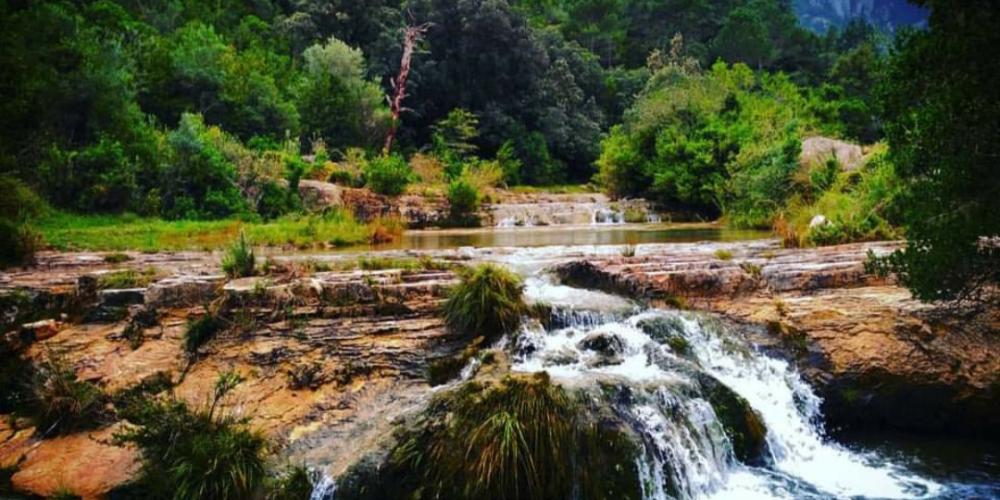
(628,250)
(488,301)
(294,483)
(117,258)
(754,270)
(506,439)
(18,244)
(201,330)
(127,278)
(780,307)
(635,215)
(239,260)
(723,254)
(61,402)
(385,230)
(197,453)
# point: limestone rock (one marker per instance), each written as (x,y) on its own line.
(317,195)
(817,150)
(184,290)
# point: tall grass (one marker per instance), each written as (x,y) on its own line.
(488,301)
(518,437)
(128,232)
(196,453)
(239,260)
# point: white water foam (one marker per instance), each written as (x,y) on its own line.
(686,452)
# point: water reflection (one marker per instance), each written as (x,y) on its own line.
(620,234)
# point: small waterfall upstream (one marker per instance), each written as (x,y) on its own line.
(659,361)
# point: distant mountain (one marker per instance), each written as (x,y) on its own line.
(888,15)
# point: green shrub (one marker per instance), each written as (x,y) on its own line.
(239,260)
(196,453)
(488,302)
(117,258)
(201,330)
(294,483)
(388,175)
(62,403)
(463,198)
(19,202)
(18,244)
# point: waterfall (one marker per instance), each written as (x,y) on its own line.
(324,489)
(660,360)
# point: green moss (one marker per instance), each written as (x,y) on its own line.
(743,426)
(723,254)
(445,369)
(117,258)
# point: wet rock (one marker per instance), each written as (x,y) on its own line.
(121,297)
(667,330)
(743,426)
(608,347)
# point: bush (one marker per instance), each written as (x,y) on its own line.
(201,330)
(203,453)
(463,198)
(18,244)
(388,175)
(19,202)
(488,302)
(239,260)
(62,403)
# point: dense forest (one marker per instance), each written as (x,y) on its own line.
(194,111)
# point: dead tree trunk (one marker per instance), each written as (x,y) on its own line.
(412,35)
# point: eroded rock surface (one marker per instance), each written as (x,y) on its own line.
(327,357)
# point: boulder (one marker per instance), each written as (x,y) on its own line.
(817,150)
(184,290)
(742,424)
(318,195)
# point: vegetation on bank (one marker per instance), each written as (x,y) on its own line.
(127,232)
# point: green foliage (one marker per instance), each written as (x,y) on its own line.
(62,403)
(388,175)
(488,301)
(336,102)
(858,206)
(239,260)
(18,243)
(196,453)
(199,331)
(463,198)
(940,110)
(19,202)
(294,483)
(724,141)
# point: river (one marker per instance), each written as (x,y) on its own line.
(685,452)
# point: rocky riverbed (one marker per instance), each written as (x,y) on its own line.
(332,354)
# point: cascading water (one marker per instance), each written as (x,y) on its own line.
(660,360)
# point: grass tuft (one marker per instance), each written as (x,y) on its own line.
(239,260)
(488,302)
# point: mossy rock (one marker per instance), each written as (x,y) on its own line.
(667,330)
(743,425)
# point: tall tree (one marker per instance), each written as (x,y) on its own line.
(941,104)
